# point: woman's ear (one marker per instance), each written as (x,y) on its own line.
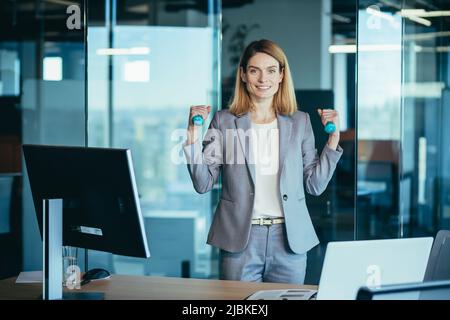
(242,73)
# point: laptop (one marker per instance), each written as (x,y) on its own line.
(349,265)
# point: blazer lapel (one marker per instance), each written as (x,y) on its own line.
(243,124)
(285,127)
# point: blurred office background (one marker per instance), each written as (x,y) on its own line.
(127,74)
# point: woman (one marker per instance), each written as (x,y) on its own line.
(266,153)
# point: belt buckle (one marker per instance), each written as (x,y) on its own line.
(265,221)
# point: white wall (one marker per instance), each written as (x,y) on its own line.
(301,27)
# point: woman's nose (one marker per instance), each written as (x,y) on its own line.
(262,77)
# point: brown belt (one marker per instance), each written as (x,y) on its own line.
(267,221)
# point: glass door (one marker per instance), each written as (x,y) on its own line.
(402,162)
(379,76)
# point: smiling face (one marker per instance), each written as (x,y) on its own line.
(262,77)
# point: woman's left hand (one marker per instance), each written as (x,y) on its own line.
(327,115)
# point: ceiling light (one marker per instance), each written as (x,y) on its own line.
(414,15)
(352,48)
(123,51)
(375,11)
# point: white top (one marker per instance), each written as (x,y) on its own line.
(265,147)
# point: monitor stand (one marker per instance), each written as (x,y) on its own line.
(52,250)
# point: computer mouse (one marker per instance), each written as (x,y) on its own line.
(96,274)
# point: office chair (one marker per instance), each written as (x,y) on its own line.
(432,290)
(438,267)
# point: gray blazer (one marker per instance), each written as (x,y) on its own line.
(226,149)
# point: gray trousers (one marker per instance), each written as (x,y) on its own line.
(267,258)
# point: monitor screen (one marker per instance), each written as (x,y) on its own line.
(101,208)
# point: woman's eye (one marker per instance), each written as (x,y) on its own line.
(253,71)
(272,71)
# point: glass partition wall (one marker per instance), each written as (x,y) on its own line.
(43,63)
(110,73)
(148,61)
(402,158)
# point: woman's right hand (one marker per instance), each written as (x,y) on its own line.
(202,110)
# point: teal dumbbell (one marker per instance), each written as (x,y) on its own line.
(197,120)
(330,127)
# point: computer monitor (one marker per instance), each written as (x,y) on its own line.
(101,208)
(431,290)
(91,202)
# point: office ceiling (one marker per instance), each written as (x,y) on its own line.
(21,19)
(345,12)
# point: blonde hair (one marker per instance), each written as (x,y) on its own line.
(284,101)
